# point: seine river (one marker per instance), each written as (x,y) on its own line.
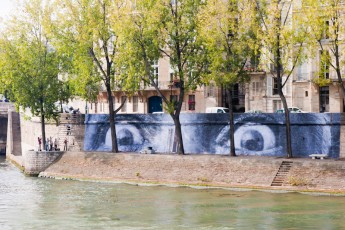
(38,203)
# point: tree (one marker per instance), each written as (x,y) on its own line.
(85,30)
(326,23)
(226,28)
(282,37)
(166,29)
(29,64)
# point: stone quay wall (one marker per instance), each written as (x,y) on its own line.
(247,172)
(37,161)
(31,130)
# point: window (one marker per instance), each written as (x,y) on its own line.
(135,103)
(275,86)
(101,107)
(174,99)
(191,102)
(324,64)
(96,107)
(286,88)
(172,73)
(256,86)
(272,67)
(325,30)
(277,104)
(155,71)
(210,92)
(302,71)
(269,86)
(306,93)
(324,99)
(123,101)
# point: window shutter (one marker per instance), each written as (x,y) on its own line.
(269,86)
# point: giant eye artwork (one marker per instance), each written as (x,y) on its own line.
(253,138)
(129,138)
(254,134)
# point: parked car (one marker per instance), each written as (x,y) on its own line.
(65,108)
(291,109)
(254,111)
(217,110)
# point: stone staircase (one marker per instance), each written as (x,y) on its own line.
(71,126)
(282,173)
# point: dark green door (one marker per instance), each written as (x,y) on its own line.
(155,104)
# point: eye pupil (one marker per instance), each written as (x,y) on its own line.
(125,137)
(252,140)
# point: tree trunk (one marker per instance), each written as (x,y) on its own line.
(287,123)
(178,135)
(43,129)
(340,80)
(176,117)
(114,147)
(232,125)
(283,99)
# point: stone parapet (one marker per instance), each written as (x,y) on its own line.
(37,161)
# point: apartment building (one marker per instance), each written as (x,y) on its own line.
(260,93)
(147,100)
(303,89)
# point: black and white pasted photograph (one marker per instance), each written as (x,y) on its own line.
(255,134)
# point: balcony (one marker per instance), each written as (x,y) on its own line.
(253,68)
(162,85)
(311,76)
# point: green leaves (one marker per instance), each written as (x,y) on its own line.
(29,64)
(226,29)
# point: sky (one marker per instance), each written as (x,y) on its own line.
(6,7)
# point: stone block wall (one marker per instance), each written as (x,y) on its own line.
(13,142)
(37,161)
(255,134)
(31,130)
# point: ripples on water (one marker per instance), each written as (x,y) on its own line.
(38,203)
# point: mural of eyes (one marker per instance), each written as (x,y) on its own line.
(250,139)
(129,138)
(255,138)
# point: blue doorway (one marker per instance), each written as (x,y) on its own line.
(155,104)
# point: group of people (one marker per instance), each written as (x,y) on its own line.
(51,145)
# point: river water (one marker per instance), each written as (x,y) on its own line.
(41,203)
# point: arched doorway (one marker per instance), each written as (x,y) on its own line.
(155,104)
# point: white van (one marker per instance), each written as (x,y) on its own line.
(217,110)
